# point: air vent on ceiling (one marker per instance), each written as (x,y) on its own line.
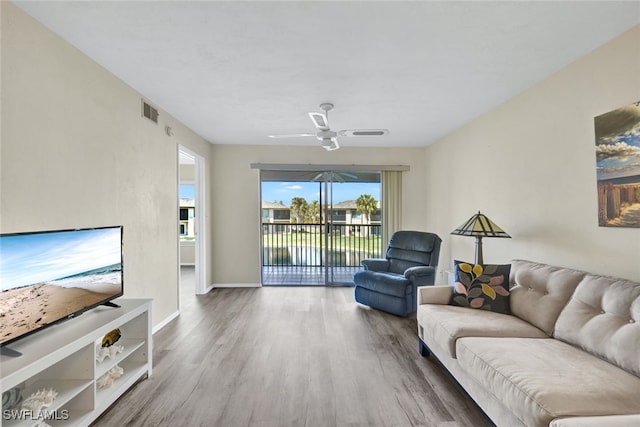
(149,112)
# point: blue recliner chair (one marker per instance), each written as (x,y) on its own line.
(390,284)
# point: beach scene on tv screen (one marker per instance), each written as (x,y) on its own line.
(45,277)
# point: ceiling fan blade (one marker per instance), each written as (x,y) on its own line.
(292,135)
(330,144)
(320,120)
(349,175)
(364,132)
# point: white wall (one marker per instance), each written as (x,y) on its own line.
(236,208)
(187,173)
(77,153)
(529,165)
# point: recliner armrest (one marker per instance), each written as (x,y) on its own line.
(376,264)
(434,295)
(421,275)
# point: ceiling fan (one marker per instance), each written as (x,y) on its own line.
(328,138)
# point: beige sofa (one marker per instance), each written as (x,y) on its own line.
(567,356)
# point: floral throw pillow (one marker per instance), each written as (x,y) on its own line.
(485,286)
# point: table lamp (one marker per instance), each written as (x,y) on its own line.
(480,226)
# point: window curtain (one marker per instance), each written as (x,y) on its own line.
(391,204)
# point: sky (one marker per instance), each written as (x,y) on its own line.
(27,259)
(187,191)
(285,191)
(618,142)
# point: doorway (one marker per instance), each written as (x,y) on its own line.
(191,224)
(318,225)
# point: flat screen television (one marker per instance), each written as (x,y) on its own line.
(49,276)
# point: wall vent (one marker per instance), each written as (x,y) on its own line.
(149,112)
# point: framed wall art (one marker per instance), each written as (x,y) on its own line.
(618,166)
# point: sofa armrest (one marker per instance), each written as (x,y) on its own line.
(598,421)
(375,264)
(434,295)
(421,275)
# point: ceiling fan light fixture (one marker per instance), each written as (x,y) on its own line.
(326,142)
(330,144)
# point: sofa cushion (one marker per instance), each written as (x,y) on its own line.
(483,286)
(445,324)
(603,318)
(539,292)
(383,282)
(539,380)
(599,421)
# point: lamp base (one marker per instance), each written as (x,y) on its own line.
(479,259)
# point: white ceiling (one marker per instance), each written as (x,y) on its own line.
(235,72)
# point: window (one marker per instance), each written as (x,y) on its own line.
(187,212)
(281,214)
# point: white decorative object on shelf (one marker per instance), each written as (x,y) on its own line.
(11,399)
(39,400)
(110,352)
(107,379)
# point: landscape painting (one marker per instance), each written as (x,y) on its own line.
(618,166)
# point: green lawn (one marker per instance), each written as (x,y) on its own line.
(315,239)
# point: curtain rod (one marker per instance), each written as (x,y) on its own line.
(336,168)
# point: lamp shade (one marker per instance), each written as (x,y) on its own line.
(480,226)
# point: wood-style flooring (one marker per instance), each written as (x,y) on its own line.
(282,356)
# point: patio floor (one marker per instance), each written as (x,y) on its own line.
(307,276)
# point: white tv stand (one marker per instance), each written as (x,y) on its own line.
(63,357)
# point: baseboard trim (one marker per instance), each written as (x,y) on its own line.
(165,322)
(208,289)
(236,285)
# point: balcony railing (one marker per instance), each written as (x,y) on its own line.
(304,244)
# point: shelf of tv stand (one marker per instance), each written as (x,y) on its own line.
(63,357)
(67,390)
(130,346)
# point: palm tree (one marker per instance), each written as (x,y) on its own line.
(313,212)
(366,205)
(298,208)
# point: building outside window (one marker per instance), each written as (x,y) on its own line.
(187,213)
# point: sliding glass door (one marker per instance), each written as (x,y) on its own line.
(318,225)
